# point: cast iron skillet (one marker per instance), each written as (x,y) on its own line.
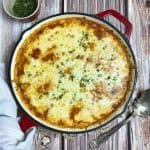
(27,120)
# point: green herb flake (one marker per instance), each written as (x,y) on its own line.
(114,78)
(78,57)
(60,96)
(80,99)
(99,75)
(108,77)
(59,81)
(104,47)
(57,66)
(84,38)
(70,52)
(29,74)
(56,32)
(71,77)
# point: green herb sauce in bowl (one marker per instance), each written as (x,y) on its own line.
(24,8)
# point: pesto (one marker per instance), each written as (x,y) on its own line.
(24,8)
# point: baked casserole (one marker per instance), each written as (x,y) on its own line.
(73,73)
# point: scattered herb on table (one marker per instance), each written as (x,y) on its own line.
(24,8)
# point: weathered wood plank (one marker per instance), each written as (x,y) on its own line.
(120,140)
(139,14)
(49,7)
(6,34)
(10,31)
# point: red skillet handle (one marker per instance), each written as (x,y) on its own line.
(127,24)
(26,123)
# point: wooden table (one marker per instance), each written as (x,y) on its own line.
(135,135)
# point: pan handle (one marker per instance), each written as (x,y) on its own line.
(126,22)
(25,122)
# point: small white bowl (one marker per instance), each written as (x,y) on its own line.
(8,6)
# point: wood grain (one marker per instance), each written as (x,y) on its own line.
(49,7)
(139,14)
(10,31)
(116,142)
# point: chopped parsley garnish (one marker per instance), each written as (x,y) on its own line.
(57,66)
(29,74)
(83,39)
(104,47)
(82,84)
(61,95)
(114,78)
(83,81)
(61,73)
(108,77)
(72,77)
(78,57)
(80,99)
(85,35)
(70,51)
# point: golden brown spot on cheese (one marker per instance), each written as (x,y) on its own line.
(40,32)
(46,111)
(61,122)
(20,65)
(55,24)
(99,34)
(115,91)
(82,88)
(68,70)
(97,93)
(38,113)
(108,68)
(94,25)
(25,86)
(114,106)
(74,111)
(100,90)
(90,45)
(53,48)
(44,88)
(63,53)
(124,81)
(36,53)
(51,56)
(89,59)
(27,100)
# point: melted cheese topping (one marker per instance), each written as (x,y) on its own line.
(72,73)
